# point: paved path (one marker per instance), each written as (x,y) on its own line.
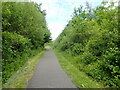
(49,73)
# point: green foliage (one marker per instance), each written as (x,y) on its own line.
(13,44)
(24,31)
(25,19)
(92,38)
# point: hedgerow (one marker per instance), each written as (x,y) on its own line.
(91,38)
(24,32)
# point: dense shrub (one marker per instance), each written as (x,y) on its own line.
(91,38)
(14,46)
(24,32)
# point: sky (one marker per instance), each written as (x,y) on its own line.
(59,12)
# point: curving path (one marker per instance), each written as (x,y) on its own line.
(49,73)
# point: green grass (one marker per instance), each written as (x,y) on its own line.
(80,79)
(21,77)
(48,44)
(0,81)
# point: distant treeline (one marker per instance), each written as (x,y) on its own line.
(24,31)
(91,40)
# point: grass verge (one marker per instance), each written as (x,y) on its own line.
(21,77)
(80,79)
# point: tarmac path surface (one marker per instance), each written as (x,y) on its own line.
(49,73)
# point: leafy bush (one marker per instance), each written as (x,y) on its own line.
(24,32)
(91,39)
(13,47)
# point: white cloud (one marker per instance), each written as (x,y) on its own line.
(56,29)
(108,4)
(83,0)
(59,12)
(45,1)
(116,4)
